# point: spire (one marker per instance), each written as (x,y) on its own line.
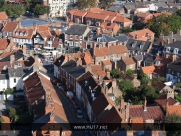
(145,102)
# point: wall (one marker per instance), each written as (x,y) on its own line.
(78,91)
(18,84)
(4,84)
(22,41)
(56,72)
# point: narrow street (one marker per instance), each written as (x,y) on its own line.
(70,111)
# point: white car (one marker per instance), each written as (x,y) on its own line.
(59,85)
(70,94)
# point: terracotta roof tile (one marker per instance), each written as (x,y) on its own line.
(97,70)
(3,16)
(148,69)
(121,19)
(141,33)
(110,13)
(4,44)
(106,62)
(128,61)
(118,49)
(158,85)
(42,28)
(6,124)
(137,123)
(87,59)
(72,11)
(94,10)
(108,25)
(163,99)
(163,61)
(158,14)
(80,13)
(143,15)
(102,51)
(153,112)
(9,27)
(174,109)
(45,34)
(26,33)
(97,16)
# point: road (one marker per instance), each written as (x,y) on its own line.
(69,110)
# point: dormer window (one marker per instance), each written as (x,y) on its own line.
(175,51)
(19,64)
(146,34)
(99,39)
(25,33)
(21,33)
(142,45)
(157,63)
(168,49)
(16,33)
(134,44)
(105,57)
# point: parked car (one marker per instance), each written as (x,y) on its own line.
(70,94)
(64,90)
(76,106)
(80,114)
(59,85)
(72,99)
(54,81)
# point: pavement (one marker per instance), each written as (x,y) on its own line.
(70,111)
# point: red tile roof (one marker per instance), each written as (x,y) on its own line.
(148,69)
(26,33)
(106,62)
(128,61)
(4,44)
(9,27)
(121,19)
(79,13)
(174,109)
(3,16)
(97,16)
(153,112)
(141,33)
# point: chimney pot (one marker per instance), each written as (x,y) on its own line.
(145,103)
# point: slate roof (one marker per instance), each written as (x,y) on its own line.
(72,68)
(171,10)
(175,44)
(170,37)
(17,56)
(76,30)
(59,61)
(155,48)
(136,47)
(138,57)
(116,8)
(149,59)
(19,72)
(175,66)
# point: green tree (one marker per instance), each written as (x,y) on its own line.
(81,4)
(11,112)
(178,85)
(118,100)
(106,3)
(138,25)
(149,92)
(41,9)
(178,12)
(1,120)
(173,125)
(131,17)
(144,79)
(130,72)
(174,22)
(125,86)
(127,30)
(9,91)
(115,73)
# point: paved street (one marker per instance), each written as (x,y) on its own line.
(69,110)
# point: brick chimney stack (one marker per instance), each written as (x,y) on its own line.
(98,31)
(174,57)
(170,94)
(127,112)
(168,41)
(122,104)
(145,102)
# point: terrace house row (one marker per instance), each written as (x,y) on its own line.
(97,17)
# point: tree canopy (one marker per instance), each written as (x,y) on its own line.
(41,9)
(125,86)
(83,4)
(11,112)
(115,73)
(130,72)
(173,125)
(106,3)
(144,78)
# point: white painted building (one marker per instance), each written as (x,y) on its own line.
(58,7)
(153,7)
(4,82)
(143,9)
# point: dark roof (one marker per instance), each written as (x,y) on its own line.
(39,109)
(137,44)
(20,71)
(155,48)
(104,37)
(4,76)
(17,56)
(149,59)
(138,57)
(59,61)
(176,36)
(171,10)
(76,30)
(121,38)
(116,8)
(175,66)
(72,68)
(175,44)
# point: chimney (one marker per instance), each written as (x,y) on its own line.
(170,94)
(136,36)
(19,24)
(166,108)
(52,117)
(70,24)
(24,49)
(15,66)
(108,74)
(172,33)
(168,41)
(174,57)
(98,31)
(35,27)
(79,61)
(145,102)
(127,112)
(114,83)
(122,104)
(174,40)
(12,59)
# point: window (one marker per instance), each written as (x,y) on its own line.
(124,54)
(71,36)
(77,37)
(157,63)
(65,36)
(131,66)
(175,51)
(14,80)
(168,49)
(105,57)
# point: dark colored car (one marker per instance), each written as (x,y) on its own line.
(64,90)
(76,106)
(54,81)
(87,133)
(72,100)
